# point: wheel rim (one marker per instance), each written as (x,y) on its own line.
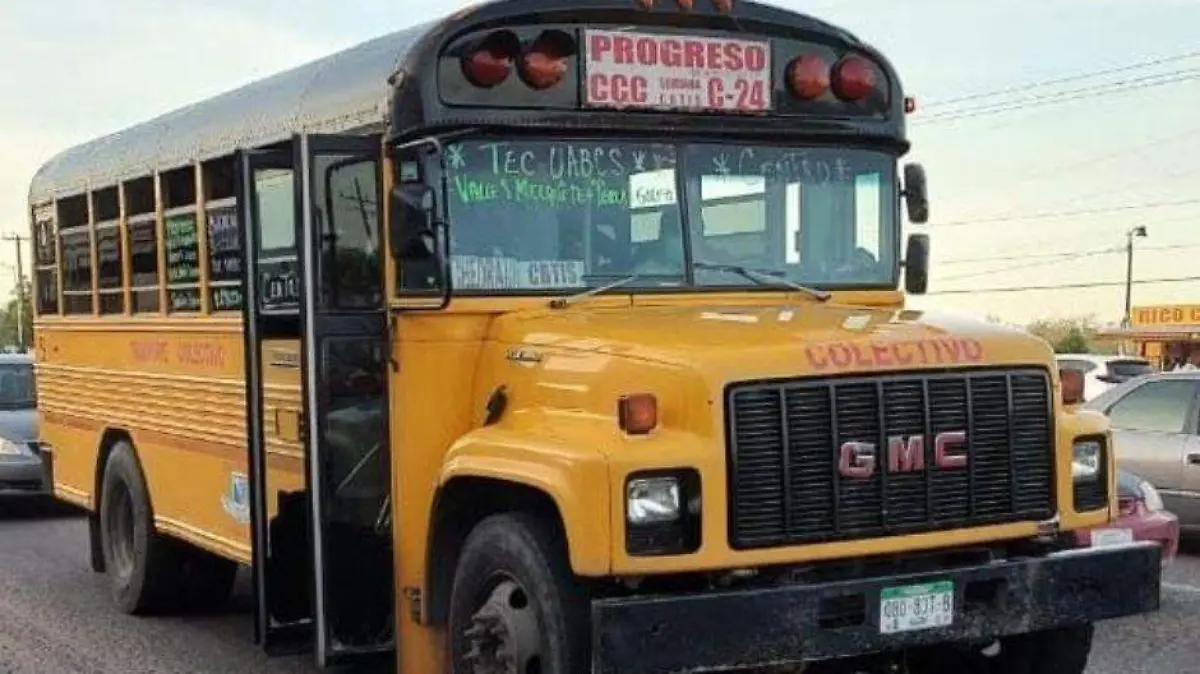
(502,636)
(120,527)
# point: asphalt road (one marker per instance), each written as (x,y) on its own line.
(55,617)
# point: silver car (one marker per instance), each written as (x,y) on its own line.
(1156,432)
(23,470)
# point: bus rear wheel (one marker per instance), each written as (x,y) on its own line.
(141,564)
(515,606)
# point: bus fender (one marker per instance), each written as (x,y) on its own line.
(575,478)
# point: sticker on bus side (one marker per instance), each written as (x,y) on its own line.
(676,72)
(236,501)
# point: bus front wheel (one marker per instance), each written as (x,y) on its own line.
(515,605)
(139,562)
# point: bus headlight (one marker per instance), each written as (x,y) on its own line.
(652,500)
(1085,464)
(662,512)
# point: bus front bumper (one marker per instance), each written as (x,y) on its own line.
(802,623)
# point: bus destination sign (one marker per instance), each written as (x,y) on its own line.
(676,72)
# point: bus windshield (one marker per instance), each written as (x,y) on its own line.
(538,215)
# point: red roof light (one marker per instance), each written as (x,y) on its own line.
(853,78)
(808,76)
(492,61)
(545,63)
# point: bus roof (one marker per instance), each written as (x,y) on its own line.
(350,91)
(344,91)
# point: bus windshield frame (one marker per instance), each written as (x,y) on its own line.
(573,213)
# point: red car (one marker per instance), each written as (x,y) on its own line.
(1142,518)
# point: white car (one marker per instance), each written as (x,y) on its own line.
(1102,372)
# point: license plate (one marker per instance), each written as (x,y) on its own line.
(916,607)
(1115,536)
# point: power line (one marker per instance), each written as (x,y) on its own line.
(1061,254)
(1107,89)
(1089,161)
(1030,265)
(1047,215)
(1063,286)
(1062,80)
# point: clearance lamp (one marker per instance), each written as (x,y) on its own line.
(545,63)
(808,76)
(1072,386)
(490,63)
(853,78)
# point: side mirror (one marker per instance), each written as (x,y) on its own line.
(916,264)
(420,239)
(916,196)
(412,223)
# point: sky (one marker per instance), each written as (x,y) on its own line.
(1040,194)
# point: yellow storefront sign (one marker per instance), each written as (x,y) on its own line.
(1166,314)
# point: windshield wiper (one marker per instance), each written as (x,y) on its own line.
(564,302)
(764,277)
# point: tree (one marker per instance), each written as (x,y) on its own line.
(1069,335)
(10,317)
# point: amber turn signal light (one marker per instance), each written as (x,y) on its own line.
(1072,386)
(637,413)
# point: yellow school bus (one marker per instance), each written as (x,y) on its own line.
(562,337)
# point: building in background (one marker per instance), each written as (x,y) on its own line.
(1164,334)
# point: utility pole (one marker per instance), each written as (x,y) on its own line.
(21,318)
(1127,319)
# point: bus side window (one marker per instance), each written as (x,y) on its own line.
(45,260)
(140,214)
(224,235)
(75,234)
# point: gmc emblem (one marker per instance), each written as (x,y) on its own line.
(905,454)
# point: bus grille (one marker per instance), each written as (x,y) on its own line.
(786,438)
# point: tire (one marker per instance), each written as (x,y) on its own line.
(513,585)
(143,567)
(1059,651)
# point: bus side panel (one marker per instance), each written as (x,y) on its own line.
(176,386)
(74,443)
(432,406)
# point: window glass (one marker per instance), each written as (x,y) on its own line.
(143,258)
(44,250)
(1159,406)
(77,271)
(276,210)
(183,262)
(822,217)
(529,215)
(275,216)
(224,259)
(540,215)
(346,212)
(47,291)
(17,386)
(108,269)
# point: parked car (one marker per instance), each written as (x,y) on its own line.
(1102,372)
(1155,422)
(1143,517)
(23,471)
